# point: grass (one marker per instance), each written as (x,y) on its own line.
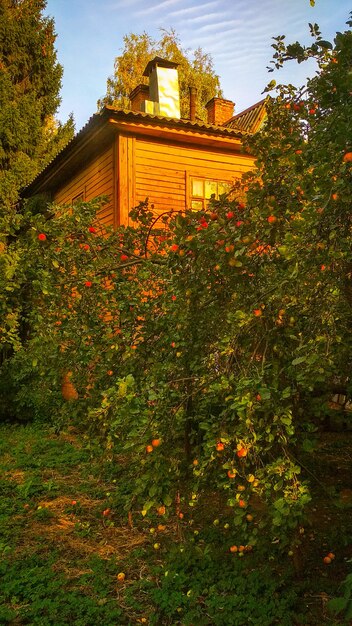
(60,555)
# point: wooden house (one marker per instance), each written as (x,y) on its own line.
(151,152)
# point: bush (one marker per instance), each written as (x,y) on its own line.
(204,346)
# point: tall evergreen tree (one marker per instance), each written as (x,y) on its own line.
(30,81)
(30,135)
(140,49)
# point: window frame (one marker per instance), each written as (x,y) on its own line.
(80,197)
(202,200)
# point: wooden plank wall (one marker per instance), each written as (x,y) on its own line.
(96,179)
(126,177)
(163,170)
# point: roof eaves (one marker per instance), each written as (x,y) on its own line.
(94,122)
(171,121)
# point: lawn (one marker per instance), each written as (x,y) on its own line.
(65,538)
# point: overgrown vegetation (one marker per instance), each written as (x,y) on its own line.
(30,136)
(70,556)
(200,352)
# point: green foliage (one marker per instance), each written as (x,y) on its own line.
(140,49)
(30,80)
(200,349)
(342,605)
(46,599)
(139,307)
(60,556)
(197,585)
(29,86)
(34,589)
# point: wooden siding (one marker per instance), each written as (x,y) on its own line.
(162,171)
(133,168)
(126,177)
(96,179)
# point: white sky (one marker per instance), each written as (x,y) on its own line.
(237,33)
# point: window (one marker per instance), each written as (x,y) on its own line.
(78,198)
(202,190)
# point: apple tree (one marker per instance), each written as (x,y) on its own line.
(201,349)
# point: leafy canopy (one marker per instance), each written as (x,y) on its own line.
(195,70)
(205,346)
(30,81)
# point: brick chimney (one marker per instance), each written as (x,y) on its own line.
(219,111)
(192,103)
(138,96)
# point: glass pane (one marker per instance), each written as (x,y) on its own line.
(78,198)
(197,204)
(211,189)
(197,188)
(223,188)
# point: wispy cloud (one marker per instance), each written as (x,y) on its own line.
(198,19)
(122,4)
(158,7)
(236,33)
(187,11)
(221,27)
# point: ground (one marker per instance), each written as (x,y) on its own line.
(64,540)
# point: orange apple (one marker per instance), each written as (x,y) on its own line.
(242,452)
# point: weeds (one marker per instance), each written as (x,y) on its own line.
(64,538)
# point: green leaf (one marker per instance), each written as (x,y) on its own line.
(153,490)
(309,445)
(325,44)
(286,420)
(286,393)
(148,505)
(279,504)
(338,605)
(298,360)
(265,393)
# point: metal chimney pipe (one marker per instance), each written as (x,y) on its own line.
(192,103)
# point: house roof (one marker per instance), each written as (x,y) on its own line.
(102,126)
(250,119)
(169,122)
